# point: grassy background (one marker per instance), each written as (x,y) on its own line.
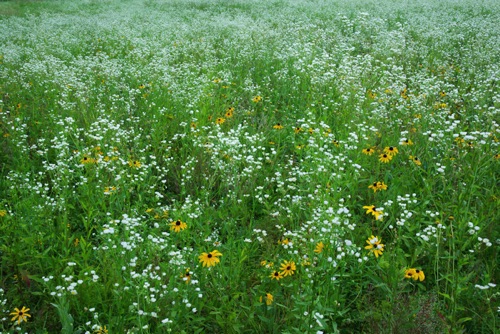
(109,122)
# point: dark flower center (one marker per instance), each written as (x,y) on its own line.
(21,313)
(288,268)
(276,273)
(375,184)
(209,256)
(178,222)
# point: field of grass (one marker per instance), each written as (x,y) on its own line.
(258,166)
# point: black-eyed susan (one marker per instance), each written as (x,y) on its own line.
(288,268)
(3,213)
(268,299)
(336,143)
(374,211)
(257,99)
(377,186)
(177,226)
(415,274)
(278,126)
(319,247)
(20,315)
(267,264)
(210,259)
(284,241)
(391,150)
(229,112)
(134,164)
(406,142)
(497,156)
(109,190)
(276,275)
(186,276)
(298,130)
(368,151)
(101,330)
(375,246)
(87,160)
(385,158)
(415,160)
(220,120)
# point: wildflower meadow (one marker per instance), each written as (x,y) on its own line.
(249,166)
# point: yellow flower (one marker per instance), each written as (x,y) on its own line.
(101,330)
(406,142)
(415,274)
(109,190)
(297,130)
(177,226)
(288,268)
(373,210)
(135,164)
(20,315)
(319,247)
(87,160)
(186,276)
(415,160)
(276,275)
(368,151)
(385,158)
(257,99)
(3,213)
(278,126)
(269,299)
(391,150)
(210,259)
(229,112)
(374,245)
(266,263)
(285,241)
(378,186)
(219,120)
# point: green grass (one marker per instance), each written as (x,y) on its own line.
(250,123)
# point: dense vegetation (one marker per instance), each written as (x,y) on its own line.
(228,166)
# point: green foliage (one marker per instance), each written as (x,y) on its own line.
(262,126)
